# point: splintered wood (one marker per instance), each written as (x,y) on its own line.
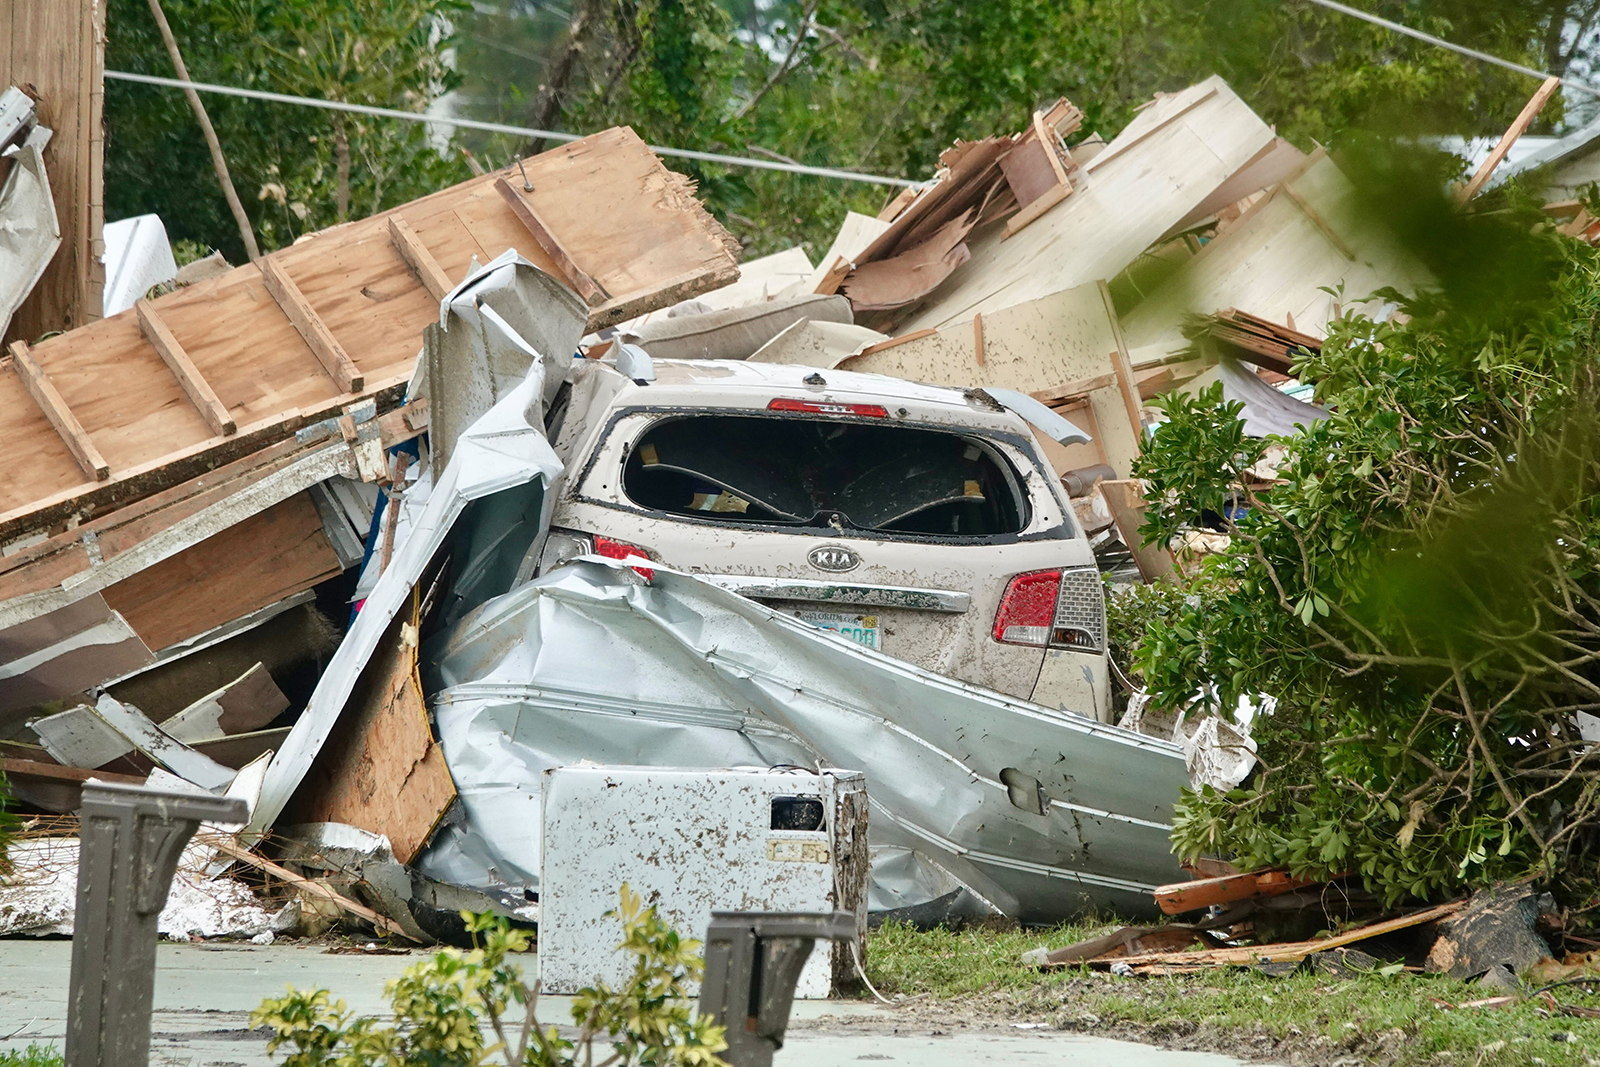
(132,404)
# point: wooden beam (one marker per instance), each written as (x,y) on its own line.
(340,367)
(1038,207)
(914,335)
(1529,112)
(1318,221)
(1123,368)
(199,391)
(1125,500)
(418,258)
(1122,145)
(1047,141)
(1072,390)
(592,292)
(835,277)
(45,394)
(977,336)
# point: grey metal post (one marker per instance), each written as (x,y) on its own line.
(753,960)
(129,844)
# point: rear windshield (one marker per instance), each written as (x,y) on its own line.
(815,472)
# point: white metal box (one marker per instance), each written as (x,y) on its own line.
(691,842)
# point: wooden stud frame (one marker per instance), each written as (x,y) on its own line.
(199,391)
(340,367)
(45,394)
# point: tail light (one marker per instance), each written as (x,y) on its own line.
(819,407)
(1053,609)
(611,548)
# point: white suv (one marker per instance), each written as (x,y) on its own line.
(918,520)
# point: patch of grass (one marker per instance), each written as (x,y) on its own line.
(1303,1018)
(32,1056)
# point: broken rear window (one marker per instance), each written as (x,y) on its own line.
(814,472)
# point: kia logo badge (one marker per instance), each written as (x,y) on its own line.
(833,558)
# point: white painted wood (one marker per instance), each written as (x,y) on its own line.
(1114,213)
(1274,263)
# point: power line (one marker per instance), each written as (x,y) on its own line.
(496,127)
(1365,16)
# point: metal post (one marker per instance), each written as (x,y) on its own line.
(753,960)
(129,844)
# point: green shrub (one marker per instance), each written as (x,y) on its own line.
(440,1005)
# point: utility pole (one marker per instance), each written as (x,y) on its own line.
(54,50)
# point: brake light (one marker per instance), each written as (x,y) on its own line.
(611,548)
(818,407)
(1053,609)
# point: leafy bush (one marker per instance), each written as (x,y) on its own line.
(1421,592)
(440,1005)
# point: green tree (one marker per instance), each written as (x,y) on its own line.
(1421,592)
(297,169)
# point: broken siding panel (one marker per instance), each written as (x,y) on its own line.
(257,562)
(381,770)
(65,652)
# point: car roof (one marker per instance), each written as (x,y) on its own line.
(737,384)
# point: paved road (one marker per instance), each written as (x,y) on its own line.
(204,994)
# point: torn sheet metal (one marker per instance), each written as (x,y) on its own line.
(1039,416)
(503,463)
(697,677)
(492,327)
(30,233)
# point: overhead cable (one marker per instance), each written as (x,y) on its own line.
(1366,16)
(497,127)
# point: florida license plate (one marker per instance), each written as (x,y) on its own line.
(862,629)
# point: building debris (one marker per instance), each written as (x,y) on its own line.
(1497,927)
(417,529)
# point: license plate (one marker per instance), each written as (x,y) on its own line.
(862,629)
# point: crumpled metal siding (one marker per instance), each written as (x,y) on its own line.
(593,662)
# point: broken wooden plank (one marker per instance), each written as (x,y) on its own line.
(230,848)
(1180,897)
(381,769)
(834,277)
(340,367)
(977,336)
(78,737)
(1125,499)
(593,292)
(418,258)
(194,384)
(1036,208)
(1122,366)
(45,394)
(1074,390)
(1519,125)
(1288,952)
(53,788)
(883,346)
(247,703)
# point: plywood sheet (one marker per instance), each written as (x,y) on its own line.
(258,562)
(630,223)
(381,769)
(1065,336)
(1274,263)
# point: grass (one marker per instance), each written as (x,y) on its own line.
(32,1056)
(1376,1018)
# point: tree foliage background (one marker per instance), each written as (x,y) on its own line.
(880,86)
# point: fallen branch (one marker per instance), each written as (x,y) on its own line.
(381,923)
